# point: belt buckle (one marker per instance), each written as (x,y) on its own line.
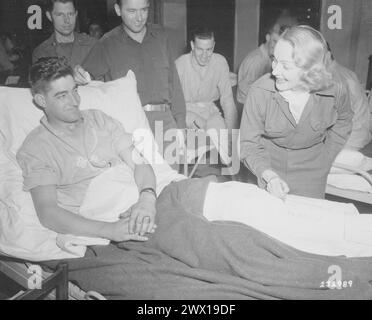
(148,107)
(156,107)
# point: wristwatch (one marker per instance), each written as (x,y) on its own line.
(149,190)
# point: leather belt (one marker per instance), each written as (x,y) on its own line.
(157,107)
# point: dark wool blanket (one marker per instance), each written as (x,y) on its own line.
(191,258)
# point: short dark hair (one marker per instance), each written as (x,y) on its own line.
(272,29)
(46,70)
(50,4)
(203,32)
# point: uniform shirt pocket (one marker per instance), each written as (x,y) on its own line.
(323,120)
(276,124)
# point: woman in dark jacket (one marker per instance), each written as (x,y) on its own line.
(296,120)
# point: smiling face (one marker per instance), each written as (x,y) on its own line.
(134,14)
(63,16)
(202,50)
(60,101)
(287,74)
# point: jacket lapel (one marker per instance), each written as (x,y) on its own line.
(308,108)
(283,105)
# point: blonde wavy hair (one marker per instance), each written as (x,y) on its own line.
(310,53)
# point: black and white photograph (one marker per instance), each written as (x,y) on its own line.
(185,155)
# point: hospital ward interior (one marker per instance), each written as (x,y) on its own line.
(185,150)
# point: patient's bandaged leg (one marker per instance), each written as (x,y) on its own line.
(312,225)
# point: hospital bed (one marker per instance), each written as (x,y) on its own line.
(53,285)
(18,116)
(356,181)
(26,242)
(348,193)
(23,241)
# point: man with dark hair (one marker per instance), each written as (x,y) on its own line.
(70,148)
(144,49)
(258,62)
(64,42)
(95,29)
(205,79)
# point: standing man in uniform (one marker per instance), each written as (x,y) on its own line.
(64,42)
(144,49)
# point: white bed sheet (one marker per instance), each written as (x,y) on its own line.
(311,225)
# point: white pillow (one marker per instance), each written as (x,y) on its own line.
(349,182)
(21,233)
(119,99)
(18,116)
(353,159)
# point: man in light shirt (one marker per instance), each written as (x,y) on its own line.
(205,80)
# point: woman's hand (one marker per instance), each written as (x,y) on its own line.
(275,185)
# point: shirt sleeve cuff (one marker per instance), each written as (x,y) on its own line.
(38,180)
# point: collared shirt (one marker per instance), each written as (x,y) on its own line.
(296,103)
(254,66)
(51,157)
(207,84)
(75,52)
(361,134)
(301,153)
(157,80)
